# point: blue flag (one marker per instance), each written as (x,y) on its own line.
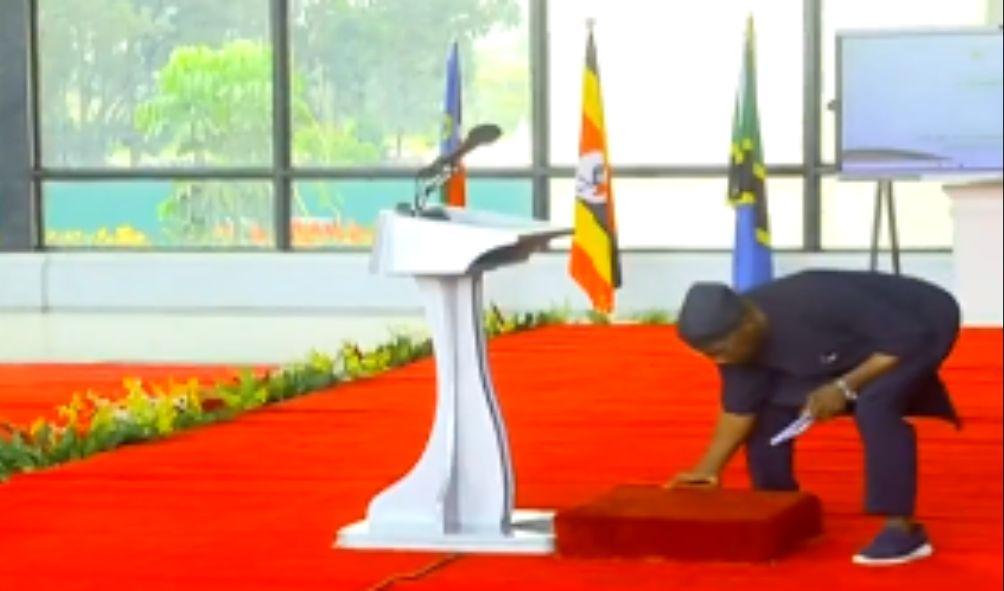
(751,255)
(455,190)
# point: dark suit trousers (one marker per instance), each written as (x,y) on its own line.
(890,442)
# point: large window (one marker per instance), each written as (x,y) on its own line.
(343,213)
(686,213)
(670,71)
(923,215)
(137,214)
(669,75)
(368,79)
(129,83)
(187,85)
(262,124)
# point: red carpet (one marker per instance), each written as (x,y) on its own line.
(255,504)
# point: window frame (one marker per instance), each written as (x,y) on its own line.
(283,174)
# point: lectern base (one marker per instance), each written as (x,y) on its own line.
(532,533)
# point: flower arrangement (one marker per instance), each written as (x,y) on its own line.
(307,232)
(119,236)
(91,423)
(319,231)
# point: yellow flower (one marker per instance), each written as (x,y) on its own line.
(36,428)
(103,418)
(70,413)
(166,412)
(96,400)
(133,385)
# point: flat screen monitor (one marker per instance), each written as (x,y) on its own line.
(914,103)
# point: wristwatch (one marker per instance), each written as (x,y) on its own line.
(848,392)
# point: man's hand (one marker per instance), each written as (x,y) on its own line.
(730,432)
(825,402)
(693,479)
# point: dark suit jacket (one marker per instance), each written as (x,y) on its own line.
(821,324)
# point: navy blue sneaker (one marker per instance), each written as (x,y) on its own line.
(894,545)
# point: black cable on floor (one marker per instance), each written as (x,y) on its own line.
(416,575)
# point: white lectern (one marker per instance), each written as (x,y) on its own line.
(459,496)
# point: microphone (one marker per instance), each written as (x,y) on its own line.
(479,135)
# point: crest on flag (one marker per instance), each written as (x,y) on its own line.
(591,178)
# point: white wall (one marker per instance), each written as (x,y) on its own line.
(21,281)
(978,252)
(272,308)
(342,283)
(994,10)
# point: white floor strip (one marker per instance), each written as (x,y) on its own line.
(188,338)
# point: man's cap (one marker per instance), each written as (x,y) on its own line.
(710,311)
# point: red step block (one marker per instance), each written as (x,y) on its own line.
(689,524)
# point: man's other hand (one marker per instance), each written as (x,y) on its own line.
(825,402)
(693,479)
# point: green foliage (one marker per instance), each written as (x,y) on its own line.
(500,90)
(189,82)
(562,315)
(327,142)
(212,106)
(653,317)
(91,424)
(18,456)
(89,79)
(374,68)
(595,317)
(392,85)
